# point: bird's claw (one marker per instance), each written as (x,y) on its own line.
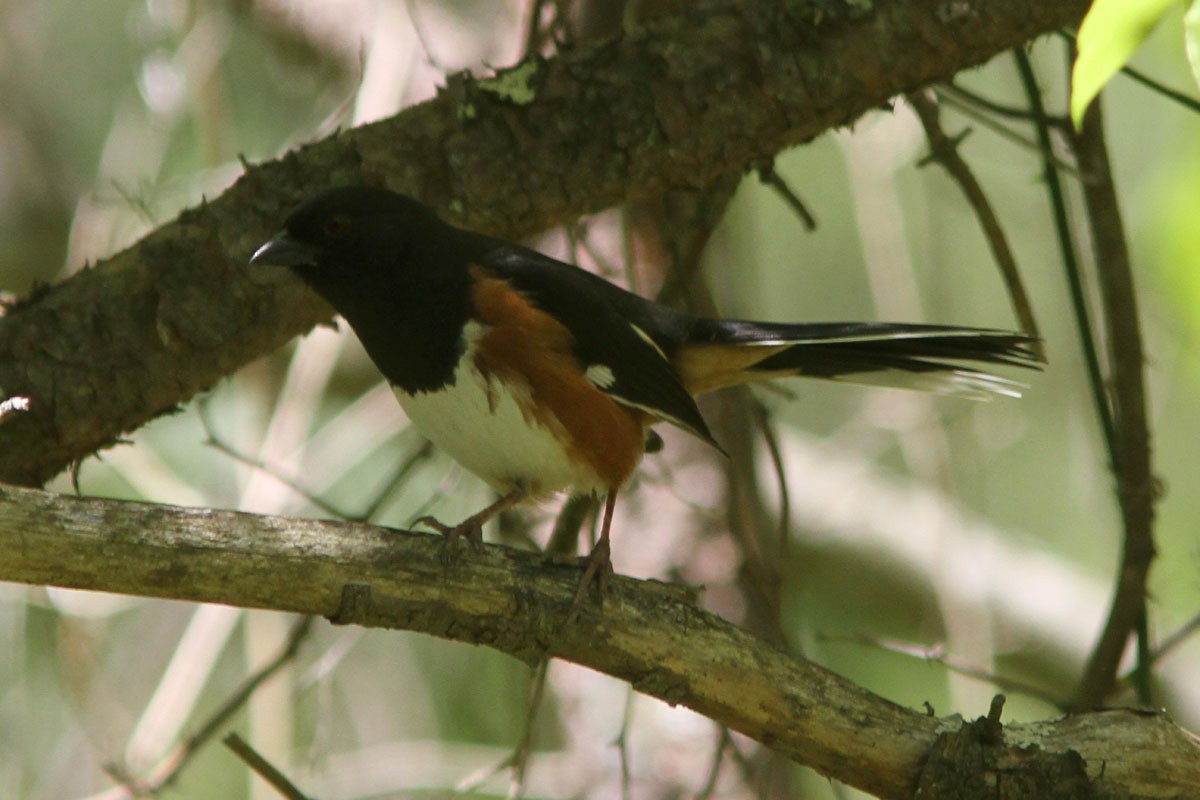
(453,535)
(597,567)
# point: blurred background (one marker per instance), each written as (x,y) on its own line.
(915,544)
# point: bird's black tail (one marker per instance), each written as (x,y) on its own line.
(933,358)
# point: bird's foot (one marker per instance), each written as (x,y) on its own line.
(597,568)
(470,529)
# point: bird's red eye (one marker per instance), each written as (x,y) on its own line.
(337,226)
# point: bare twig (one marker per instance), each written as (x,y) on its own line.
(937,654)
(420,455)
(169,768)
(524,748)
(1177,638)
(944,150)
(1188,102)
(1137,489)
(1066,244)
(987,104)
(949,96)
(762,418)
(622,745)
(1101,669)
(553,30)
(214,440)
(414,17)
(724,742)
(263,768)
(685,222)
(768,175)
(534,36)
(518,760)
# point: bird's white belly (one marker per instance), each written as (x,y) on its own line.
(479,421)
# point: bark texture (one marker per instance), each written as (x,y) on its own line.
(649,634)
(690,95)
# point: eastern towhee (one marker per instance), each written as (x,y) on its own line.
(538,376)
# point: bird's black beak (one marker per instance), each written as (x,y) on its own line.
(284,251)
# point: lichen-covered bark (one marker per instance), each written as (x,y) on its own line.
(683,99)
(648,633)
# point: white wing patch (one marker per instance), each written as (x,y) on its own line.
(600,375)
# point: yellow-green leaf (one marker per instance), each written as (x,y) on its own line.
(1110,33)
(1191,37)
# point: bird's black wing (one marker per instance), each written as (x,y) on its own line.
(622,339)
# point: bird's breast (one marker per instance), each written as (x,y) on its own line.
(518,415)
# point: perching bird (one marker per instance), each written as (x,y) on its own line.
(538,376)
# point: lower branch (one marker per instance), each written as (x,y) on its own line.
(648,633)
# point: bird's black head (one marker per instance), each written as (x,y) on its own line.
(393,269)
(340,233)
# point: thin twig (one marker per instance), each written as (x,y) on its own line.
(524,748)
(1066,245)
(414,17)
(214,440)
(169,768)
(1004,132)
(944,150)
(263,768)
(518,759)
(686,226)
(418,457)
(533,32)
(622,744)
(244,692)
(1190,103)
(1103,663)
(768,175)
(724,741)
(421,454)
(685,222)
(937,654)
(762,418)
(986,103)
(1137,489)
(1177,638)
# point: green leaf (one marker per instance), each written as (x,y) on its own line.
(1191,37)
(1110,33)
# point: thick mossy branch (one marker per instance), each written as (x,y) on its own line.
(648,633)
(688,96)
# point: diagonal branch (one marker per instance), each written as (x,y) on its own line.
(649,633)
(943,149)
(713,87)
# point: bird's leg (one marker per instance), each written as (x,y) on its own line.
(471,528)
(599,561)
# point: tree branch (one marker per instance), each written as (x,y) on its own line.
(687,96)
(648,633)
(1137,488)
